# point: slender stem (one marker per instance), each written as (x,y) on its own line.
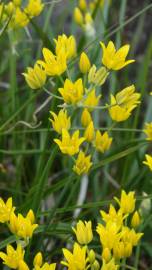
(51,94)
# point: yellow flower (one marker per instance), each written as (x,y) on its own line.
(88,18)
(91,100)
(113,59)
(13,257)
(126,202)
(47,266)
(85,118)
(35,77)
(102,142)
(20,18)
(34,8)
(106,254)
(60,121)
(72,92)
(135,221)
(113,216)
(84,63)
(148,161)
(5,210)
(82,164)
(148,131)
(123,103)
(17,2)
(110,265)
(119,250)
(66,44)
(82,5)
(38,260)
(69,145)
(109,234)
(75,260)
(89,132)
(22,226)
(130,236)
(53,64)
(98,77)
(83,232)
(78,17)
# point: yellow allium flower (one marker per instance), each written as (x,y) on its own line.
(98,77)
(110,265)
(5,210)
(17,2)
(148,131)
(47,266)
(148,161)
(75,260)
(82,164)
(38,260)
(60,121)
(106,254)
(34,8)
(89,132)
(85,118)
(78,17)
(83,5)
(126,202)
(22,226)
(123,103)
(12,257)
(113,59)
(109,234)
(91,100)
(66,44)
(35,77)
(83,232)
(72,92)
(113,215)
(122,249)
(135,221)
(53,64)
(84,63)
(20,18)
(130,236)
(102,141)
(69,144)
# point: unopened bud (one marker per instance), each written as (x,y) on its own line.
(91,256)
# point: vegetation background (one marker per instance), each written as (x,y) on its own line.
(32,169)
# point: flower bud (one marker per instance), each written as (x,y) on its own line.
(78,17)
(89,132)
(127,250)
(106,254)
(38,259)
(135,221)
(85,118)
(82,5)
(91,256)
(95,265)
(84,63)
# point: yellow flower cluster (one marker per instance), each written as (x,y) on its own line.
(83,94)
(117,233)
(83,13)
(23,228)
(20,16)
(117,237)
(148,132)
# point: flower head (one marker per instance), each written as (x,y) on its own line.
(75,260)
(5,210)
(22,226)
(34,8)
(53,64)
(72,92)
(35,77)
(83,232)
(102,141)
(84,63)
(111,265)
(126,202)
(148,161)
(91,100)
(123,103)
(66,44)
(148,131)
(12,257)
(82,164)
(113,59)
(98,77)
(60,121)
(69,144)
